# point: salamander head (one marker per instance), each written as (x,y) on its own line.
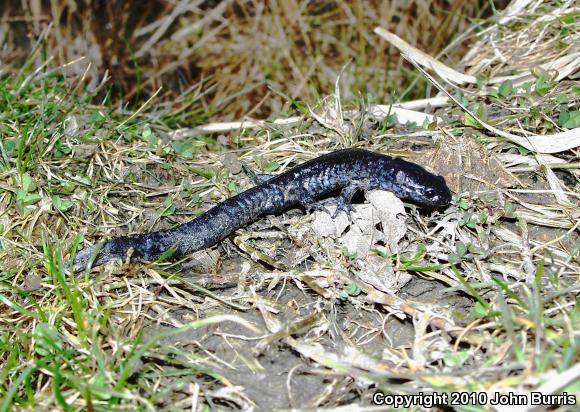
(414,183)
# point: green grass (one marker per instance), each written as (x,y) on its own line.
(69,346)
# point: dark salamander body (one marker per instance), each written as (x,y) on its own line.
(347,170)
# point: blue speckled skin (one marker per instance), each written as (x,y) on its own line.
(348,170)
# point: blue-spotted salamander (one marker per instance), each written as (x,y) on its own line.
(347,171)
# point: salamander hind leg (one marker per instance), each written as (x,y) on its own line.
(309,203)
(257,178)
(302,197)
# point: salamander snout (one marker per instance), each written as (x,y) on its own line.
(437,195)
(422,187)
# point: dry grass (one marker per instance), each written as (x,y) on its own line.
(234,58)
(484,296)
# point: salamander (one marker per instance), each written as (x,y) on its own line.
(347,171)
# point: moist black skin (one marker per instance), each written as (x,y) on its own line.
(346,170)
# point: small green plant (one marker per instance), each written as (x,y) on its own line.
(61,204)
(184,148)
(149,136)
(168,207)
(233,188)
(455,359)
(97,117)
(569,120)
(352,290)
(61,150)
(543,83)
(480,110)
(26,196)
(504,90)
(271,167)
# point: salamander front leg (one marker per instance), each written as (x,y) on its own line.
(343,201)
